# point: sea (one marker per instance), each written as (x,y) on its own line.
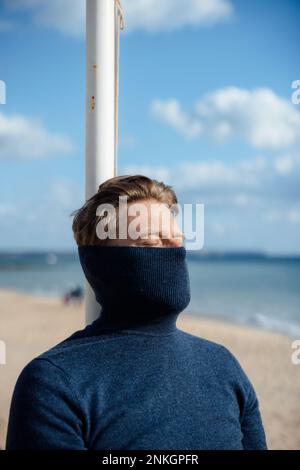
(248,289)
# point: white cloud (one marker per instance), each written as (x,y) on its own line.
(220,175)
(39,216)
(212,173)
(252,183)
(68,16)
(284,165)
(159,173)
(259,117)
(22,138)
(245,200)
(171,113)
(206,175)
(290,215)
(162,15)
(248,204)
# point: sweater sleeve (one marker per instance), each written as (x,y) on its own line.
(251,422)
(44,413)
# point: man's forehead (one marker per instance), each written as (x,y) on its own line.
(145,209)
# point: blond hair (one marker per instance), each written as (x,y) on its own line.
(136,188)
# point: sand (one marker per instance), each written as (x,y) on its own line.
(30,325)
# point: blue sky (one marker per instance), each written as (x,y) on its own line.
(205,104)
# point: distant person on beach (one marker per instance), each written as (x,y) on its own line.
(132,380)
(75,295)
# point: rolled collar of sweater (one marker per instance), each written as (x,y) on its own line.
(138,288)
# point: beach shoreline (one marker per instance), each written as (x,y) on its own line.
(29,325)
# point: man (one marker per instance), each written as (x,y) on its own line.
(132,380)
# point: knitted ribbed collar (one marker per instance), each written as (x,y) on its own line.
(139,288)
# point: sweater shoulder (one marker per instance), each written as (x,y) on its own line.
(60,366)
(99,351)
(77,347)
(207,346)
(219,358)
(81,341)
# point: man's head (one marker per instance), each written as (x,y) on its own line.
(129,211)
(133,285)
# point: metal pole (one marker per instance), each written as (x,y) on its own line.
(100,106)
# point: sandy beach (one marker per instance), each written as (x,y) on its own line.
(30,325)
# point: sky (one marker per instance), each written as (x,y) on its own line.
(205,105)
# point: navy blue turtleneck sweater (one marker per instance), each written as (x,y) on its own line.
(132,380)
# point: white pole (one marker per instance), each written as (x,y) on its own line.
(100,106)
